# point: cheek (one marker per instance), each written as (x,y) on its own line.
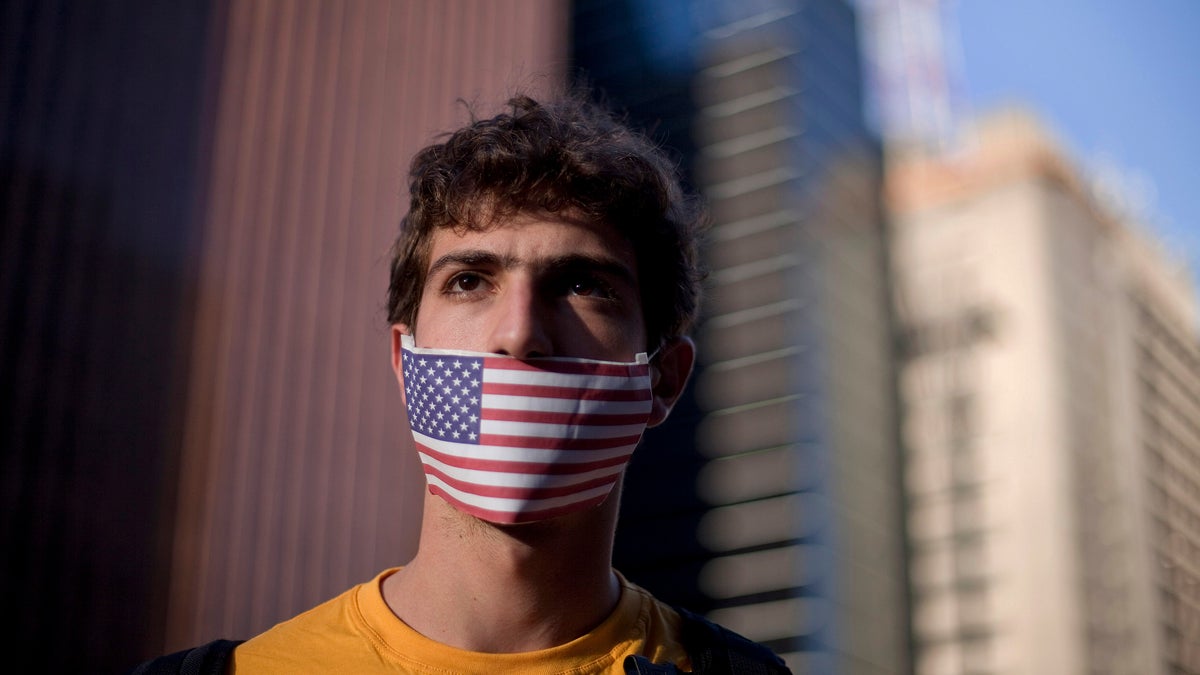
(617,334)
(449,326)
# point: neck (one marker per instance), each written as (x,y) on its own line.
(504,589)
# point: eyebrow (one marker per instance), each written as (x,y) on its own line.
(468,258)
(573,261)
(602,265)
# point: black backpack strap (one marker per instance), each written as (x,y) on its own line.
(639,665)
(207,659)
(716,650)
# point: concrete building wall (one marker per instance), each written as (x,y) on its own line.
(1026,411)
(1168,374)
(989,511)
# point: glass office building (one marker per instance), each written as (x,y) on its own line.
(785,519)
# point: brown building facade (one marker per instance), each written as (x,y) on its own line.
(298,476)
(202,432)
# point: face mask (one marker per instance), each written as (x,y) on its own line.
(515,440)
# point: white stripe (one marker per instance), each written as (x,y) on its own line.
(516,505)
(409,343)
(542,430)
(507,454)
(520,480)
(546,379)
(565,405)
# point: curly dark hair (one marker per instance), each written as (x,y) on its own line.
(564,156)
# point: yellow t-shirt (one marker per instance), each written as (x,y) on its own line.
(357,633)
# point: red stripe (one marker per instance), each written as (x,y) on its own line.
(504,466)
(539,391)
(508,518)
(520,492)
(557,443)
(569,368)
(576,419)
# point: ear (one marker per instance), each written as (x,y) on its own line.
(399,329)
(669,373)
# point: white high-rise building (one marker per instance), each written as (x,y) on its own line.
(1051,398)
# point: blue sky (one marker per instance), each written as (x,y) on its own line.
(1119,82)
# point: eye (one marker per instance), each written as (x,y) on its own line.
(584,287)
(466,282)
(588,286)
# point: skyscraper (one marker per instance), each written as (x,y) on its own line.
(787,453)
(1051,391)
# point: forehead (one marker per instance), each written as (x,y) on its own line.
(529,239)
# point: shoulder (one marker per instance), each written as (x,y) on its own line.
(331,630)
(290,642)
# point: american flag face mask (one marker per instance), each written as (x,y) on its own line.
(515,440)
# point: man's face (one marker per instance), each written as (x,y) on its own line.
(533,286)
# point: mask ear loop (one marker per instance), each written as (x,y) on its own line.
(647,359)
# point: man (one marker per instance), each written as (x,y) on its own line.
(541,289)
